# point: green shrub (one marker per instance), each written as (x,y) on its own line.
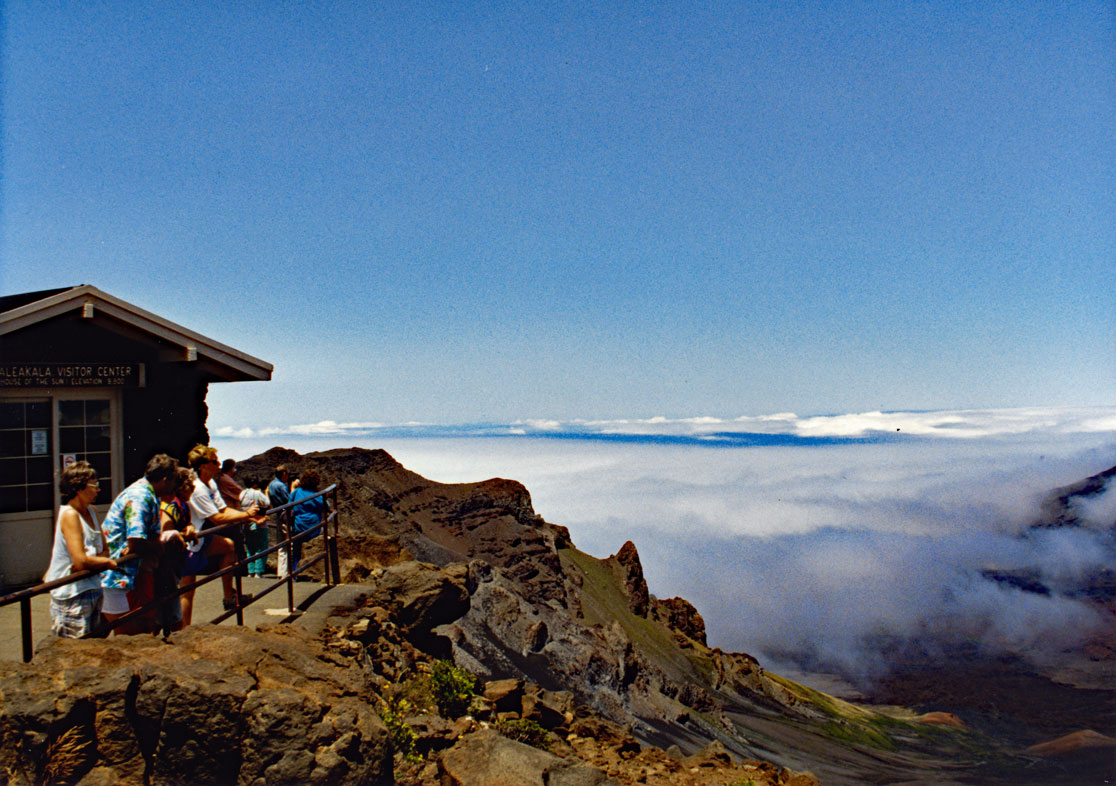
(454,689)
(393,710)
(525,731)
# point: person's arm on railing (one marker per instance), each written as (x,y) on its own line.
(171,532)
(232,516)
(75,545)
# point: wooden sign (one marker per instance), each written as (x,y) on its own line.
(71,375)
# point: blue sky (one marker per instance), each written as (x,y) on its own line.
(470,212)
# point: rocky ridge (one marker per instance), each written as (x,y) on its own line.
(623,684)
(543,611)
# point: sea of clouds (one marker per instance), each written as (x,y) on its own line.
(826,540)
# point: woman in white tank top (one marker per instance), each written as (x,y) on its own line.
(75,608)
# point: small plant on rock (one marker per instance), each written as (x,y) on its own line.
(454,689)
(67,756)
(526,731)
(393,710)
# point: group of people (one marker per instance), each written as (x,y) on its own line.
(163,518)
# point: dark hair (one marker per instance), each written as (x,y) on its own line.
(310,480)
(75,478)
(161,467)
(280,470)
(228,464)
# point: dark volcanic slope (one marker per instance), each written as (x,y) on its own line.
(391,513)
(541,609)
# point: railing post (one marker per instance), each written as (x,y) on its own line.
(288,550)
(25,624)
(237,587)
(331,542)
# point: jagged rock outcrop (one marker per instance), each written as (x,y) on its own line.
(679,615)
(214,705)
(629,569)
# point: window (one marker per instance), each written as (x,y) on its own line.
(26,456)
(85,434)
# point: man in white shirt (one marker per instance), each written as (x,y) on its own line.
(208,509)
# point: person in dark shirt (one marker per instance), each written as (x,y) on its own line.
(227,485)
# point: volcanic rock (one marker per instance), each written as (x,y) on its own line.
(489,759)
(679,615)
(211,705)
(439,523)
(630,570)
(420,596)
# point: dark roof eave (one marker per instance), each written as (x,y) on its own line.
(232,364)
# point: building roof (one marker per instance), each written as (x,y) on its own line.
(227,364)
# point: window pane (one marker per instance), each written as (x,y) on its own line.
(12,500)
(40,497)
(96,412)
(12,472)
(11,414)
(71,440)
(40,470)
(13,443)
(104,496)
(102,462)
(38,414)
(97,438)
(71,413)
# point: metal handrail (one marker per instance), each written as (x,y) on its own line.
(283,514)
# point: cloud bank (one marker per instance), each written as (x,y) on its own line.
(864,426)
(852,536)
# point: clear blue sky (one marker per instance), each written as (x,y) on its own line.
(469,212)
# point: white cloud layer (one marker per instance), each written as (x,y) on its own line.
(959,424)
(805,547)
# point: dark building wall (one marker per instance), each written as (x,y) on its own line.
(167,418)
(167,415)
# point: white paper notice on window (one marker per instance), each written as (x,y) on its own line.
(38,442)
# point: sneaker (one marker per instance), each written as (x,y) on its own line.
(230,603)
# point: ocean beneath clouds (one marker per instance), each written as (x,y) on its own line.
(812,539)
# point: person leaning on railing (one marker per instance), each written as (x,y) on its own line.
(132,526)
(79,544)
(208,509)
(173,565)
(308,513)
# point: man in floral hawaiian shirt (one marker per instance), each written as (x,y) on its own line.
(132,527)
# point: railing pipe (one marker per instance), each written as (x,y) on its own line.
(283,514)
